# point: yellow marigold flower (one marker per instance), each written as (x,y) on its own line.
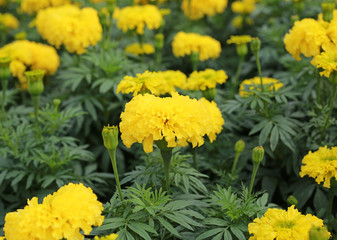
(244,6)
(320,165)
(172,80)
(75,28)
(177,119)
(327,60)
(72,208)
(196,9)
(269,84)
(307,37)
(136,49)
(238,40)
(30,55)
(278,224)
(137,17)
(187,43)
(9,21)
(208,78)
(112,236)
(33,6)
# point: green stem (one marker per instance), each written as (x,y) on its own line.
(318,87)
(237,74)
(166,155)
(157,59)
(4,84)
(195,158)
(329,210)
(194,60)
(255,168)
(237,155)
(332,101)
(112,154)
(259,69)
(36,102)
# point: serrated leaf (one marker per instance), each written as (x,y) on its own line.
(258,127)
(227,235)
(168,226)
(139,230)
(274,138)
(264,133)
(237,232)
(210,233)
(178,220)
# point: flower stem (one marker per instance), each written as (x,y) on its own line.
(237,74)
(237,155)
(166,155)
(318,87)
(259,69)
(332,101)
(331,197)
(4,84)
(112,154)
(195,158)
(36,102)
(255,168)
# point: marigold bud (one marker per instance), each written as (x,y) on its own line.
(239,146)
(159,41)
(255,45)
(209,93)
(20,36)
(4,67)
(242,49)
(333,77)
(56,102)
(319,233)
(110,137)
(258,153)
(291,200)
(327,10)
(35,81)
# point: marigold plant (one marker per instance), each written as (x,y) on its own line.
(269,84)
(196,9)
(209,78)
(137,49)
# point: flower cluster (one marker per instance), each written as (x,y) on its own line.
(137,49)
(279,224)
(177,119)
(327,60)
(137,17)
(269,84)
(9,21)
(196,9)
(243,6)
(62,215)
(157,83)
(203,80)
(76,28)
(320,165)
(30,55)
(33,6)
(188,43)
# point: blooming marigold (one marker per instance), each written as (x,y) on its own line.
(33,6)
(137,17)
(30,55)
(327,60)
(187,43)
(196,9)
(208,78)
(61,215)
(112,236)
(269,84)
(278,224)
(320,165)
(237,40)
(75,28)
(244,6)
(9,21)
(137,49)
(177,119)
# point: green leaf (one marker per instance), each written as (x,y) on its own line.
(178,220)
(216,222)
(168,226)
(139,230)
(238,233)
(227,235)
(264,133)
(210,233)
(29,180)
(3,175)
(106,86)
(258,127)
(274,138)
(218,237)
(91,109)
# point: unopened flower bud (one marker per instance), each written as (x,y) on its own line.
(327,10)
(110,137)
(56,102)
(159,41)
(333,77)
(35,81)
(242,49)
(255,45)
(291,200)
(20,36)
(319,233)
(209,93)
(239,146)
(4,67)
(258,153)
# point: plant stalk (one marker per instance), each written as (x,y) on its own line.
(237,74)
(195,158)
(255,168)
(4,84)
(36,103)
(237,155)
(112,154)
(166,155)
(259,70)
(332,101)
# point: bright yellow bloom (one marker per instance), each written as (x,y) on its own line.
(196,9)
(75,28)
(269,84)
(9,21)
(238,40)
(137,17)
(30,55)
(307,36)
(33,6)
(136,49)
(172,80)
(244,6)
(208,78)
(72,208)
(112,236)
(327,60)
(177,119)
(187,43)
(320,165)
(278,224)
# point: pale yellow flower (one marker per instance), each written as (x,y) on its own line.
(207,78)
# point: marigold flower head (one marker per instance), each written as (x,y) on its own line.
(187,43)
(196,9)
(137,49)
(307,36)
(75,28)
(177,119)
(9,21)
(61,215)
(30,55)
(137,17)
(269,84)
(327,60)
(238,40)
(208,78)
(320,165)
(33,6)
(112,236)
(278,224)
(244,6)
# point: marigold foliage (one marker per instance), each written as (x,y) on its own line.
(187,43)
(196,9)
(33,6)
(112,236)
(137,17)
(269,84)
(177,119)
(9,21)
(136,49)
(75,28)
(244,6)
(320,165)
(72,208)
(238,40)
(30,55)
(208,78)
